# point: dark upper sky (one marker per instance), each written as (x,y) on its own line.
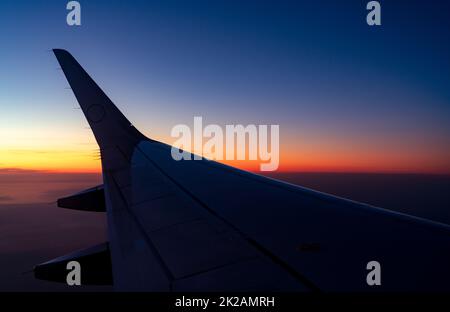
(346,96)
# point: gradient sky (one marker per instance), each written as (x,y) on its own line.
(347,97)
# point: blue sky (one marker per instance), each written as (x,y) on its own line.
(336,86)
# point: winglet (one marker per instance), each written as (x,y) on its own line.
(111,128)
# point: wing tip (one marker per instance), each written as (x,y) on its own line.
(60,51)
(62,54)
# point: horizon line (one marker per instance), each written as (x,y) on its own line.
(15,170)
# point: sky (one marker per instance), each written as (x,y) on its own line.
(348,97)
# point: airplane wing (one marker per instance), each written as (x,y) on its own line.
(204,226)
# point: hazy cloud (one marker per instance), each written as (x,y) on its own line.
(5,198)
(18,170)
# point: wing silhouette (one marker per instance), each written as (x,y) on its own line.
(204,226)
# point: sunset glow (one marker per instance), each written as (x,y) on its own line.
(383,107)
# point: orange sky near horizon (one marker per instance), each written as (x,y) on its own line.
(69,155)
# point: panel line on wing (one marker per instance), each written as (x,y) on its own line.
(259,247)
(150,243)
(218,267)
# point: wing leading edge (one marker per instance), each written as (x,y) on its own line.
(201,225)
